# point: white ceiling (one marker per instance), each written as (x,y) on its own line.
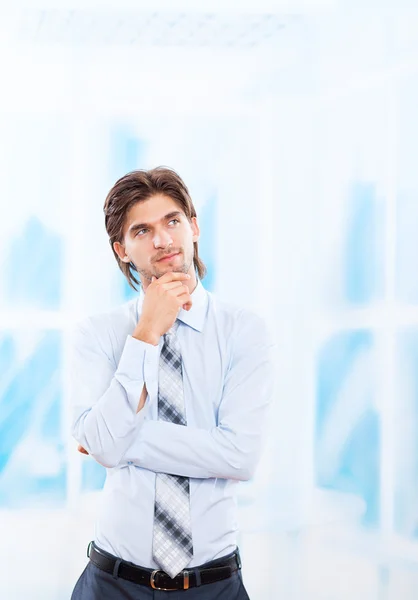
(192,54)
(149,28)
(208,6)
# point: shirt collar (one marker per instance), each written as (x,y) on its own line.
(195,317)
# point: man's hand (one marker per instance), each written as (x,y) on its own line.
(81,449)
(163,299)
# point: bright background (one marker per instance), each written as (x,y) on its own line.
(295,126)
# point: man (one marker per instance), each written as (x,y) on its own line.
(170,392)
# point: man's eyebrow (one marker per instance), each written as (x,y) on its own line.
(138,226)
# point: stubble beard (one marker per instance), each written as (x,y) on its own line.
(183,267)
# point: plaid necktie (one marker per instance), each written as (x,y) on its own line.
(172,535)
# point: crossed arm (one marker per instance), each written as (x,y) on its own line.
(141,404)
(109,422)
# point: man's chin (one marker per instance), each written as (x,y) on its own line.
(170,269)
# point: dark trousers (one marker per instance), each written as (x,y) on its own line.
(95,584)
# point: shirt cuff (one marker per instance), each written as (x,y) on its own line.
(130,371)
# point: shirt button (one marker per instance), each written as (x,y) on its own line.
(130,462)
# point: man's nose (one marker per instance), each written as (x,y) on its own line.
(162,239)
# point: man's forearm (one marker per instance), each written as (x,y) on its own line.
(193,452)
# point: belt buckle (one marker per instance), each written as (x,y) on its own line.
(185,582)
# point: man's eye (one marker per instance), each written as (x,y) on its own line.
(174,220)
(140,231)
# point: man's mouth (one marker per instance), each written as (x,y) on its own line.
(168,257)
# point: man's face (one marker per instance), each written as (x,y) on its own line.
(154,230)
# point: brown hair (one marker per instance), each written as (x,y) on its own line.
(139,186)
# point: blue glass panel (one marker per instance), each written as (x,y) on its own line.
(363,255)
(347,436)
(33,272)
(406,436)
(32,467)
(127,152)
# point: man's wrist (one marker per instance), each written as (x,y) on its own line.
(144,334)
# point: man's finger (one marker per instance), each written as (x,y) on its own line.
(173,276)
(81,449)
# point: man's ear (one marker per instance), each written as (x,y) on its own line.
(120,251)
(195,229)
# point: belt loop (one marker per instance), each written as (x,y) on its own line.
(198,577)
(89,549)
(238,557)
(116,568)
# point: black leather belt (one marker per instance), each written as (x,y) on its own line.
(210,572)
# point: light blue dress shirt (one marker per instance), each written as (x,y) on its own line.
(228,384)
